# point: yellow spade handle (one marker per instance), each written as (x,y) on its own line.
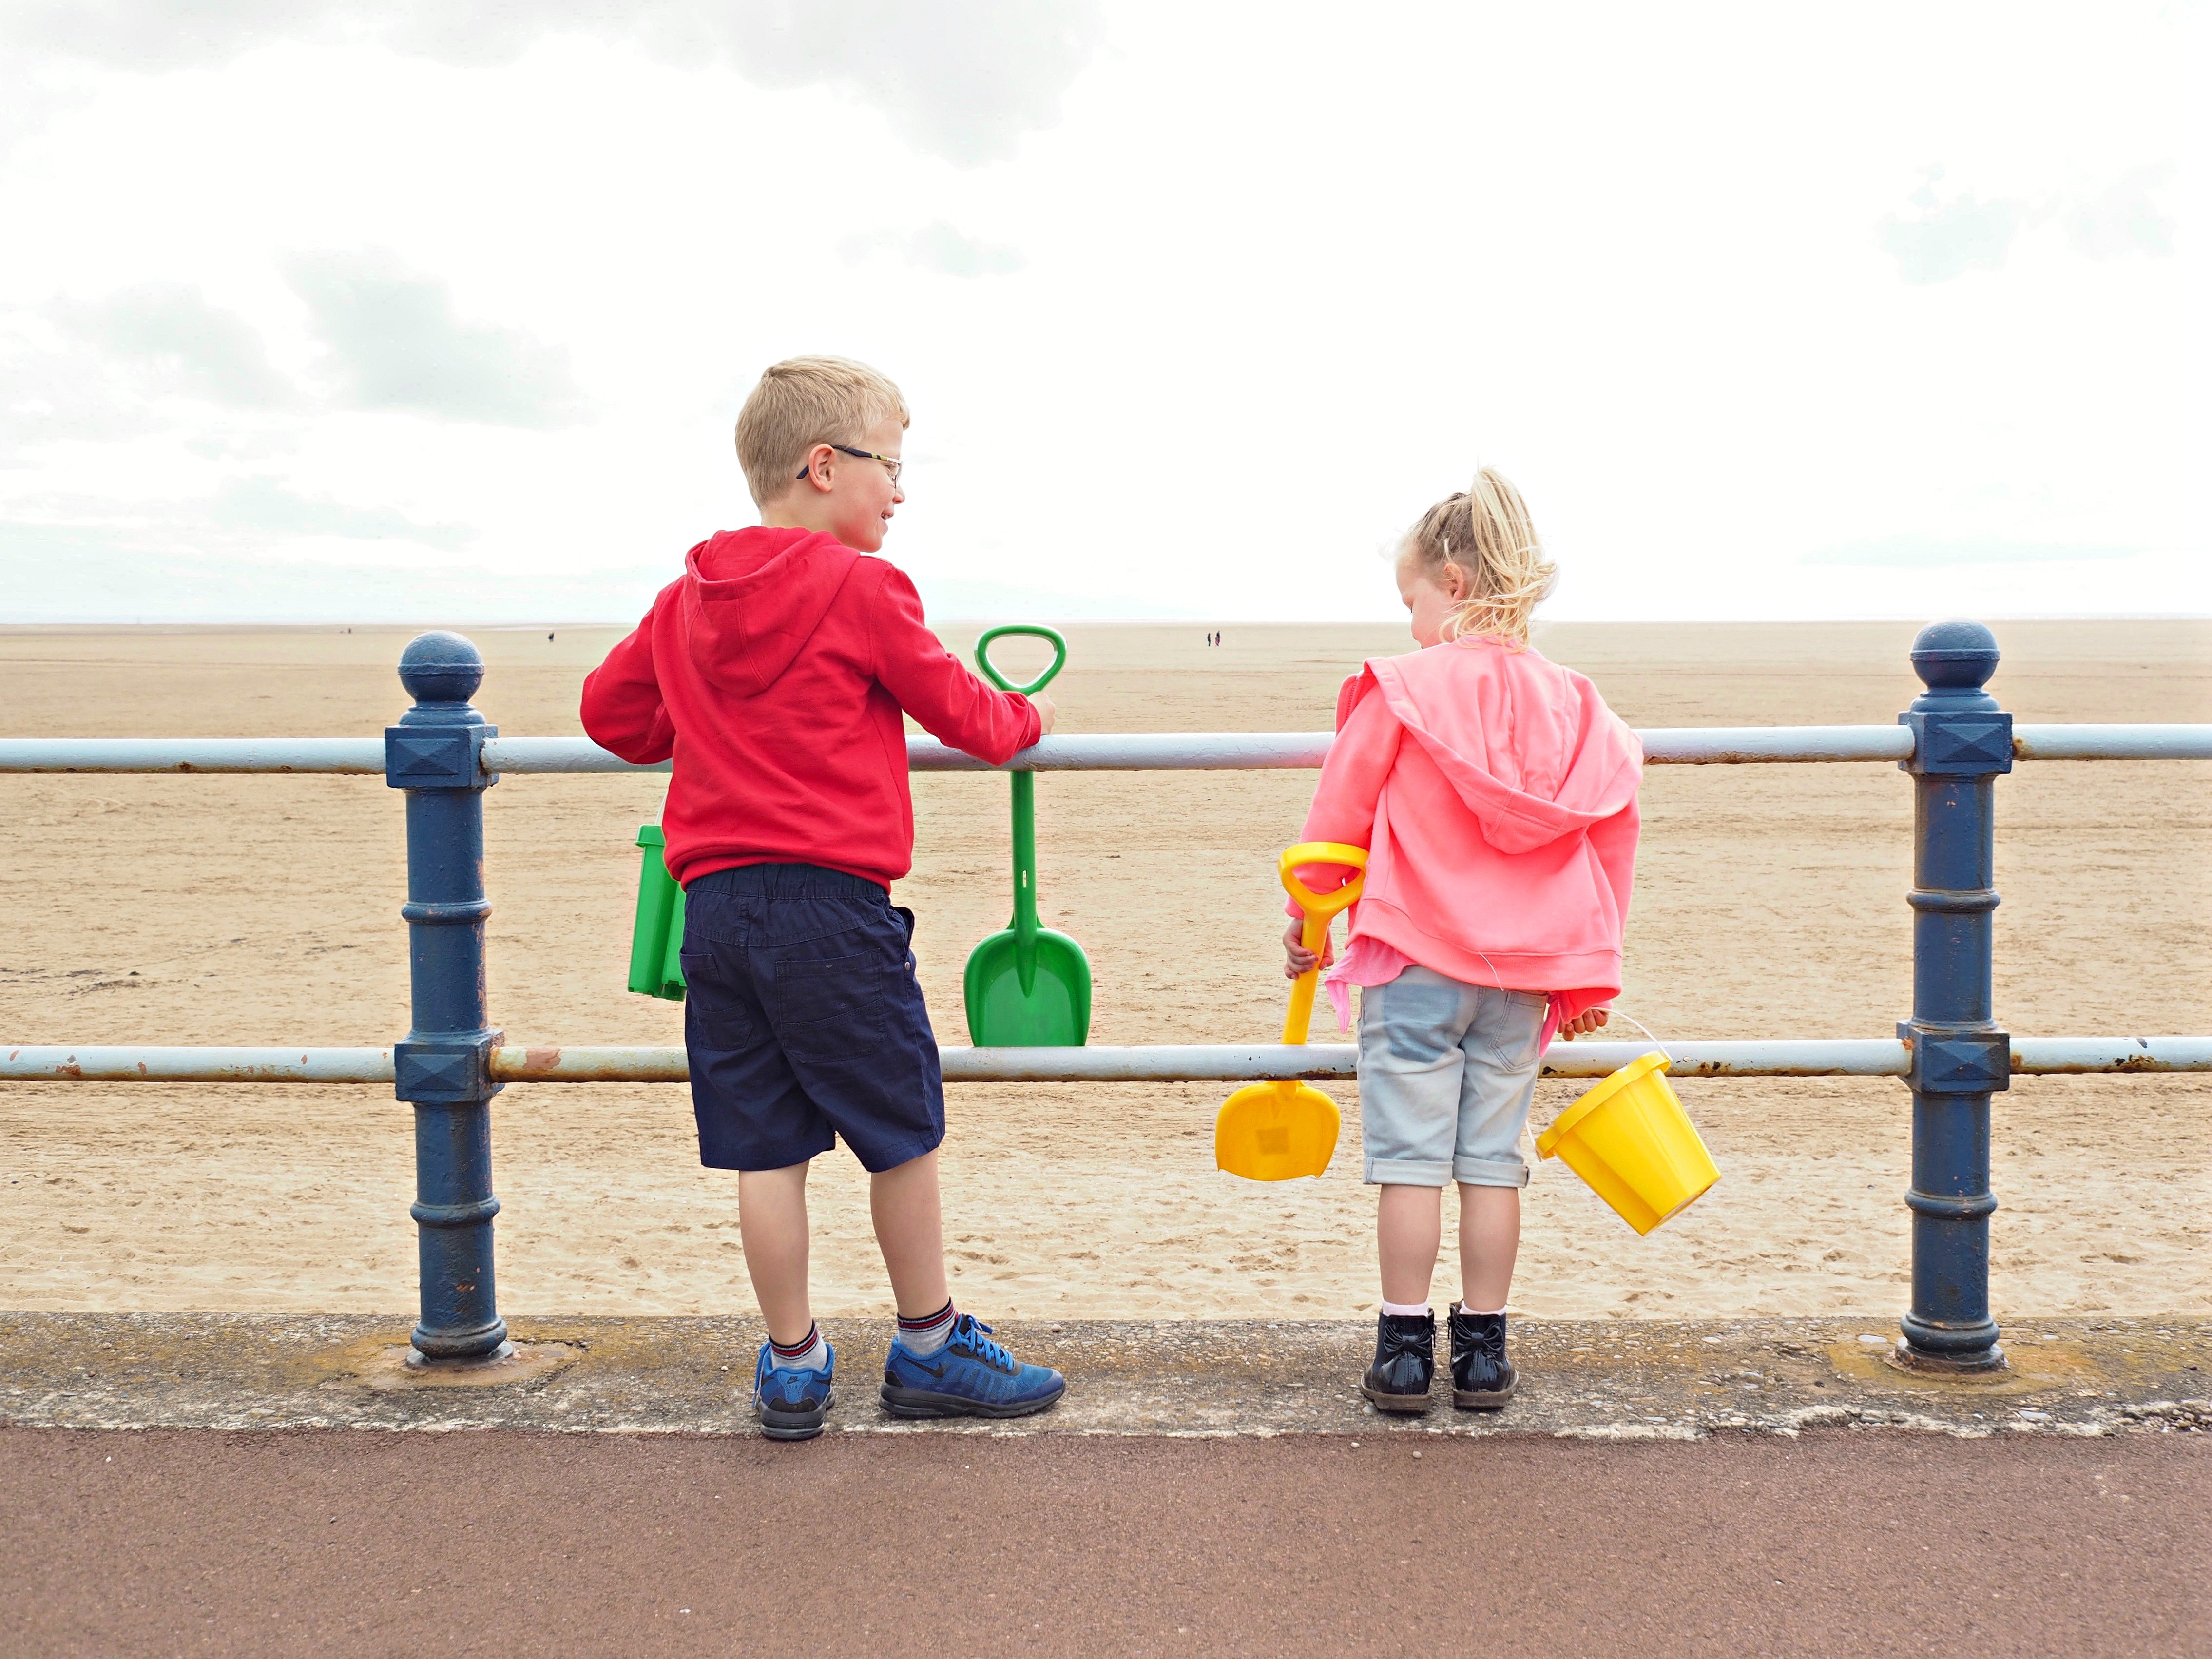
(1321,909)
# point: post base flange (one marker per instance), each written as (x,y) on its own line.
(1985,1364)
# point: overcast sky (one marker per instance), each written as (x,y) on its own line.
(403,310)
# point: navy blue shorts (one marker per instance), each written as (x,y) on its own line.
(804,1021)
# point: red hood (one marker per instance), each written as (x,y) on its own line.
(752,598)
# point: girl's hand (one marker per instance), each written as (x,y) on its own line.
(1297,960)
(1582,1024)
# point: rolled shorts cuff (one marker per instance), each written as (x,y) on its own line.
(1490,1171)
(1407,1172)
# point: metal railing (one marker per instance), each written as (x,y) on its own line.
(1145,751)
(1097,1063)
(1954,740)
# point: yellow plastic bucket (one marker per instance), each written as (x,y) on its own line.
(1630,1139)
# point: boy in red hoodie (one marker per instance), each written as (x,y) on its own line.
(775,670)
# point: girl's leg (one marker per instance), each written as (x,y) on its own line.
(772,1222)
(1408,1228)
(1489,1239)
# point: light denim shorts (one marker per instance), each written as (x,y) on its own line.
(1446,1074)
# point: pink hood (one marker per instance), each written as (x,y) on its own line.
(1496,794)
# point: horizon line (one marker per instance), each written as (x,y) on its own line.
(1170,622)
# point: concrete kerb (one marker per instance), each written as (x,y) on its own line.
(1617,1380)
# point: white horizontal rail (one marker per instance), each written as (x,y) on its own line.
(1735,746)
(1224,1063)
(1680,745)
(361,755)
(86,1063)
(2112,742)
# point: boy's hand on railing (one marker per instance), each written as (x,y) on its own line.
(1046,712)
(1299,960)
(1582,1024)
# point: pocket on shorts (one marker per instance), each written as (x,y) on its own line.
(1516,1030)
(832,1008)
(712,1009)
(1418,1017)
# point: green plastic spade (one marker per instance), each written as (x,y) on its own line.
(1027,987)
(656,939)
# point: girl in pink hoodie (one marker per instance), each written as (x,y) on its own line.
(1496,795)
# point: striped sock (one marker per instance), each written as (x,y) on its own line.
(926,1336)
(811,1355)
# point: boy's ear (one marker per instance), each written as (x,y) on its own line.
(821,460)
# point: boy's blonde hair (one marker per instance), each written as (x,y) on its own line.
(802,401)
(1485,534)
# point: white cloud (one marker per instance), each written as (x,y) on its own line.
(186,345)
(1280,284)
(263,505)
(2125,219)
(940,246)
(397,343)
(962,79)
(1949,239)
(1919,553)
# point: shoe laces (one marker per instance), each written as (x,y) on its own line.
(973,1335)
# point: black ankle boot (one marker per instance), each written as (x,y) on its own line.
(1405,1362)
(1483,1378)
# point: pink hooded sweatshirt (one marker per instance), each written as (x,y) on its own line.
(1496,795)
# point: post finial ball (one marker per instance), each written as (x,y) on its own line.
(1954,656)
(441,668)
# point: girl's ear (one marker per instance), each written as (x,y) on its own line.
(1453,580)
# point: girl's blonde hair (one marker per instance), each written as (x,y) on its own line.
(1485,533)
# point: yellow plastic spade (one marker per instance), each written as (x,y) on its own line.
(1279,1131)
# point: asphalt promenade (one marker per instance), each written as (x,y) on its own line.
(174,1483)
(517,1543)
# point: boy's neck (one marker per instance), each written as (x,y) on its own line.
(796,512)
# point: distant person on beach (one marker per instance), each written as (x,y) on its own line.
(774,670)
(1496,794)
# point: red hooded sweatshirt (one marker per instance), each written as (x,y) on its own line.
(774,670)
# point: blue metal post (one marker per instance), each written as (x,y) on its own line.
(1962,741)
(443,1065)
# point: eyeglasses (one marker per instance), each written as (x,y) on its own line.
(892,465)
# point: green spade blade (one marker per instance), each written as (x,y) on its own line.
(1026,986)
(1047,1008)
(656,935)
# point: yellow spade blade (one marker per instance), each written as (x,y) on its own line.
(1275,1132)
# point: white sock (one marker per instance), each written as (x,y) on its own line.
(1481,1313)
(813,1357)
(925,1336)
(1407,1309)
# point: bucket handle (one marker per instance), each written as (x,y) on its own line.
(1646,1030)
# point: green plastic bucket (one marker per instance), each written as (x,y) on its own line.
(656,941)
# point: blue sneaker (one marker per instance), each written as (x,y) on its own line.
(971,1376)
(793,1399)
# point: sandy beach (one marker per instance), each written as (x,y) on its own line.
(1771,902)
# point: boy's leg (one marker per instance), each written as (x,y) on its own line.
(772,1223)
(910,1232)
(942,1362)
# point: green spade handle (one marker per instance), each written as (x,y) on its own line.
(1035,630)
(1024,924)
